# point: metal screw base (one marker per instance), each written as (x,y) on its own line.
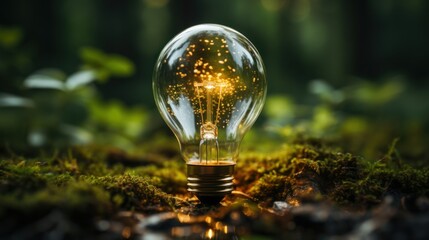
(210,182)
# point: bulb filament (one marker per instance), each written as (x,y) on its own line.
(209,142)
(209,145)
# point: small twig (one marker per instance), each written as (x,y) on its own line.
(244,195)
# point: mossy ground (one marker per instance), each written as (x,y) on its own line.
(89,182)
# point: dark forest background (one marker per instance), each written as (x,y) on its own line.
(348,63)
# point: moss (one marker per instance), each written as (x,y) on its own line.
(22,176)
(79,182)
(342,177)
(271,187)
(77,200)
(170,176)
(131,192)
(96,182)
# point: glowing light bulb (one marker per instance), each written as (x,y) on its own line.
(209,86)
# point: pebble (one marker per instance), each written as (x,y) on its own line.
(280,207)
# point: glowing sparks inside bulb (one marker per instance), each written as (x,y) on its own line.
(207,75)
(209,85)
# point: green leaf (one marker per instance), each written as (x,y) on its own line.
(52,72)
(9,100)
(43,82)
(106,65)
(79,79)
(92,55)
(326,92)
(46,79)
(119,66)
(378,94)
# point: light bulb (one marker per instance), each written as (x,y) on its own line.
(209,86)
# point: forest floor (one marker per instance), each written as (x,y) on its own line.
(304,189)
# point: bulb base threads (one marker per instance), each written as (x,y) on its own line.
(210,182)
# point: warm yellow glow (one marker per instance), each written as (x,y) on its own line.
(126,232)
(210,80)
(294,202)
(177,232)
(210,234)
(208,220)
(235,216)
(183,218)
(218,225)
(209,86)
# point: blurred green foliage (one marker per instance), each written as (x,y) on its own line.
(59,110)
(14,60)
(10,37)
(106,65)
(363,117)
(351,72)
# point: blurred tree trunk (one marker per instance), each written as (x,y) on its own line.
(338,63)
(76,29)
(360,21)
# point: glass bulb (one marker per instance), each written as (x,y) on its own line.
(209,86)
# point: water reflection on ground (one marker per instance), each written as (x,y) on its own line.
(308,220)
(199,222)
